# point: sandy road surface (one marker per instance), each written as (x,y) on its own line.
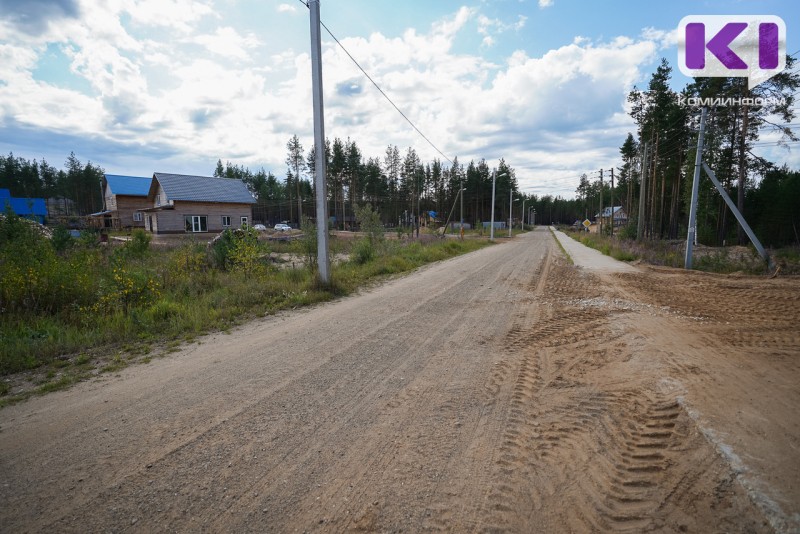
(504,390)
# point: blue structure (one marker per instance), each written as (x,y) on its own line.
(134,186)
(29,208)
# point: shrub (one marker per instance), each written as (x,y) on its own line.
(139,244)
(308,242)
(370,223)
(235,248)
(61,240)
(162,311)
(127,288)
(363,251)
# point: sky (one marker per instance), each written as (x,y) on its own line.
(143,86)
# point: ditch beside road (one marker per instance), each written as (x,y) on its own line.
(501,390)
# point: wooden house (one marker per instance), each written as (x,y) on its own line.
(123,199)
(180,203)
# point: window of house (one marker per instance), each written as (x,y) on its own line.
(226,221)
(244,221)
(137,216)
(196,223)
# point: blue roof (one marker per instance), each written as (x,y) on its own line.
(23,207)
(204,188)
(135,186)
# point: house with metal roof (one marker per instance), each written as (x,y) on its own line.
(181,203)
(620,215)
(123,199)
(29,208)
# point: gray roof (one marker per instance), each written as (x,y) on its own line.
(607,211)
(202,188)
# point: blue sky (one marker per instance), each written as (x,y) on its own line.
(138,86)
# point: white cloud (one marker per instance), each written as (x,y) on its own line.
(492,27)
(176,14)
(550,116)
(227,43)
(287,8)
(665,39)
(545,3)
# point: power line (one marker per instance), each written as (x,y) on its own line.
(380,90)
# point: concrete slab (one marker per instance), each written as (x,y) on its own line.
(589,258)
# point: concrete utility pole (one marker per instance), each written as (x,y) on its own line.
(319,146)
(601,201)
(524,200)
(491,229)
(698,160)
(642,190)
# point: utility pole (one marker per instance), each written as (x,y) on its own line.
(491,230)
(698,160)
(642,191)
(612,201)
(601,201)
(419,194)
(319,145)
(462,208)
(510,207)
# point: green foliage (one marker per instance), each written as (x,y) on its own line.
(221,249)
(100,297)
(235,250)
(308,242)
(89,238)
(33,277)
(245,252)
(627,231)
(126,288)
(363,251)
(370,223)
(366,248)
(139,245)
(61,240)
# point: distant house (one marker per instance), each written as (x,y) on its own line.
(124,197)
(29,208)
(181,203)
(620,217)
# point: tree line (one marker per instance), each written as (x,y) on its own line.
(661,155)
(398,185)
(76,188)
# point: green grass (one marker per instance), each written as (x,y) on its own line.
(671,254)
(569,258)
(152,301)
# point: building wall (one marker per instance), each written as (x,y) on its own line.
(110,198)
(171,221)
(125,208)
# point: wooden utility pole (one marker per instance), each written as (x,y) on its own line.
(612,201)
(601,201)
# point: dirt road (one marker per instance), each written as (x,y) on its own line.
(505,390)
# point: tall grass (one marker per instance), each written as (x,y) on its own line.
(55,304)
